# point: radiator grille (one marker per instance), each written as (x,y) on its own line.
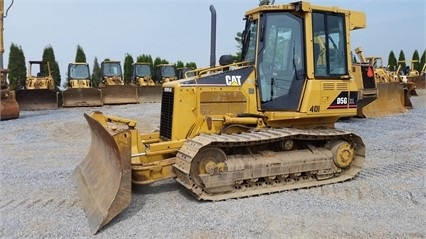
(166,119)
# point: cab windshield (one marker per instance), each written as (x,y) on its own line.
(143,70)
(112,69)
(168,71)
(79,71)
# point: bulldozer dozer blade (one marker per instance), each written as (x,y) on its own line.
(9,107)
(37,99)
(413,92)
(390,100)
(119,94)
(103,178)
(411,88)
(80,97)
(150,94)
(407,100)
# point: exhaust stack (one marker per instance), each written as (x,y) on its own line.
(213,37)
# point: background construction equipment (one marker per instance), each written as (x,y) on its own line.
(391,97)
(410,77)
(165,73)
(114,91)
(148,89)
(80,91)
(9,105)
(39,92)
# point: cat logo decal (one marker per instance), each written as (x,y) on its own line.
(233,80)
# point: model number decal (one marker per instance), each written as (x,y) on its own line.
(345,100)
(342,100)
(315,108)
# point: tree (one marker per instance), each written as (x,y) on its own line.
(416,65)
(423,60)
(392,64)
(144,58)
(128,62)
(191,65)
(238,37)
(16,66)
(401,59)
(80,56)
(96,73)
(266,2)
(179,64)
(49,56)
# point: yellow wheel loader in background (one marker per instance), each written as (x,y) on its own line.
(9,105)
(114,91)
(391,96)
(80,91)
(39,92)
(148,89)
(260,126)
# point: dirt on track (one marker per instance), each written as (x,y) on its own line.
(40,150)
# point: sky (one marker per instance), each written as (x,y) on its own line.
(180,29)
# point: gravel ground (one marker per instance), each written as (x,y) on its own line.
(387,199)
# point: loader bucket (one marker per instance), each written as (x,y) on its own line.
(119,94)
(150,94)
(37,99)
(390,100)
(103,178)
(9,107)
(80,97)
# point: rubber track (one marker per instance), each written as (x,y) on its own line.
(192,146)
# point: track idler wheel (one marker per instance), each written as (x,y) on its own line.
(207,161)
(343,153)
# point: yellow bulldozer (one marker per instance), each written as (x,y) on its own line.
(9,105)
(80,91)
(114,91)
(148,89)
(39,92)
(392,94)
(263,125)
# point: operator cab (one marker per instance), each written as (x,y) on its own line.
(275,42)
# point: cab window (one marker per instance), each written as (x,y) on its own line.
(330,59)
